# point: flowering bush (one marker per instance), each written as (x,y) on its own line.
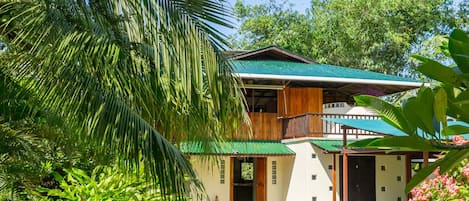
(453,185)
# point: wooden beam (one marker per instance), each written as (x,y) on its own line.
(344,166)
(344,137)
(231,178)
(334,179)
(345,176)
(408,171)
(425,158)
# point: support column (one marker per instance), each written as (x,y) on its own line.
(425,158)
(344,165)
(334,179)
(345,176)
(408,171)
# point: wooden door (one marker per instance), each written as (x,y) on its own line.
(261,179)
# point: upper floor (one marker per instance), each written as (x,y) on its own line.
(288,95)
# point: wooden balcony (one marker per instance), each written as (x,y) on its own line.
(269,126)
(313,125)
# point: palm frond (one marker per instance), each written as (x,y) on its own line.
(388,112)
(136,76)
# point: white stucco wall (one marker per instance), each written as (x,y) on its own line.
(209,174)
(294,176)
(324,177)
(278,191)
(302,186)
(388,178)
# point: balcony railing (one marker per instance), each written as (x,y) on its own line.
(313,125)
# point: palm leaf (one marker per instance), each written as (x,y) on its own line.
(129,75)
(389,113)
(401,143)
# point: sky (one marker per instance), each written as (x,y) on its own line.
(299,5)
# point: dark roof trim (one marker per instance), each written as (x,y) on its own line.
(273,49)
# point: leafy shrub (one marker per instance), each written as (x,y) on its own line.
(105,183)
(453,185)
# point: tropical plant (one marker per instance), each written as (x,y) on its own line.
(134,77)
(18,144)
(104,183)
(34,143)
(424,117)
(453,185)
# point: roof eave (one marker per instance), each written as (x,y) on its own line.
(329,79)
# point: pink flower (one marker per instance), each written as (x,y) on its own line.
(465,171)
(448,186)
(436,172)
(459,140)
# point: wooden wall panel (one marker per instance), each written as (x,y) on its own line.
(294,101)
(265,126)
(261,179)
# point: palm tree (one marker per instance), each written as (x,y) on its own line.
(134,76)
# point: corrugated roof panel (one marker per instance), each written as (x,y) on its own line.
(267,67)
(329,145)
(254,147)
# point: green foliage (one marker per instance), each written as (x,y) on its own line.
(129,78)
(453,185)
(424,116)
(34,143)
(373,35)
(273,24)
(104,183)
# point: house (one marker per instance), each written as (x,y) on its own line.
(296,149)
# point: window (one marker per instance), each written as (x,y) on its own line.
(274,172)
(261,100)
(247,171)
(222,171)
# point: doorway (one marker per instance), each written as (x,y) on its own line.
(249,179)
(361,178)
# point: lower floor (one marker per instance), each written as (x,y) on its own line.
(311,173)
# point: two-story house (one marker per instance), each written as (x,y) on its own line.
(295,152)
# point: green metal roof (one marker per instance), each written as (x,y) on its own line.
(285,68)
(248,147)
(329,145)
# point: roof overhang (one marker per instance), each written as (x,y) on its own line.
(328,79)
(335,147)
(245,148)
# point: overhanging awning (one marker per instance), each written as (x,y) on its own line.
(329,145)
(238,148)
(379,126)
(373,125)
(335,146)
